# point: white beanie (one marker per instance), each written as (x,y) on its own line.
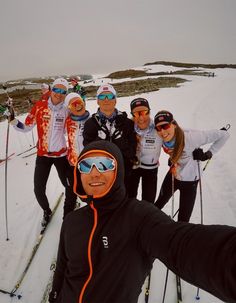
(106,88)
(61,81)
(71,96)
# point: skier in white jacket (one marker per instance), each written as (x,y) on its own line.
(183,146)
(148,152)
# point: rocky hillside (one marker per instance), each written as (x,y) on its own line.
(138,81)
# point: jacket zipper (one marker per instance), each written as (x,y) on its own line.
(89,252)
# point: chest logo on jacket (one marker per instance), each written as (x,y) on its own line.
(151,141)
(105,242)
(59,119)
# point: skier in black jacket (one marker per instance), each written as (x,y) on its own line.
(107,247)
(112,125)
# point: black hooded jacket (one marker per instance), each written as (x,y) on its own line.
(107,248)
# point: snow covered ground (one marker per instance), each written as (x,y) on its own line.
(201,103)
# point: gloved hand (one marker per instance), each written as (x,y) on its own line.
(223,128)
(198,154)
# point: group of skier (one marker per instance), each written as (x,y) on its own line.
(108,247)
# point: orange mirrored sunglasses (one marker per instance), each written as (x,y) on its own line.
(141,113)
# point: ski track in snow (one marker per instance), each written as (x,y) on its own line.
(201,103)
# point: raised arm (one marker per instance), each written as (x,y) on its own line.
(202,255)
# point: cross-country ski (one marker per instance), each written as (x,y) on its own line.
(13,292)
(8,158)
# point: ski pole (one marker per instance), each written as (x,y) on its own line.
(177,211)
(6,187)
(165,286)
(173,192)
(178,281)
(200,188)
(147,291)
(201,210)
(9,104)
(172,216)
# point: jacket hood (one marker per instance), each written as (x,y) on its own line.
(117,192)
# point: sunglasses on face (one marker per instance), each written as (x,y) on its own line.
(163,126)
(58,90)
(106,96)
(141,113)
(102,164)
(76,105)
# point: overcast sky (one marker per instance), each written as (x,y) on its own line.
(40,38)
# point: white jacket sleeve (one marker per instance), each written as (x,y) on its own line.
(216,137)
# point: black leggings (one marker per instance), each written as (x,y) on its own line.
(41,174)
(188,191)
(149,183)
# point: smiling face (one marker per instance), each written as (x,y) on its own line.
(107,106)
(166,130)
(76,106)
(94,182)
(58,97)
(141,116)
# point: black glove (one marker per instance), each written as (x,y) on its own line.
(223,128)
(198,154)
